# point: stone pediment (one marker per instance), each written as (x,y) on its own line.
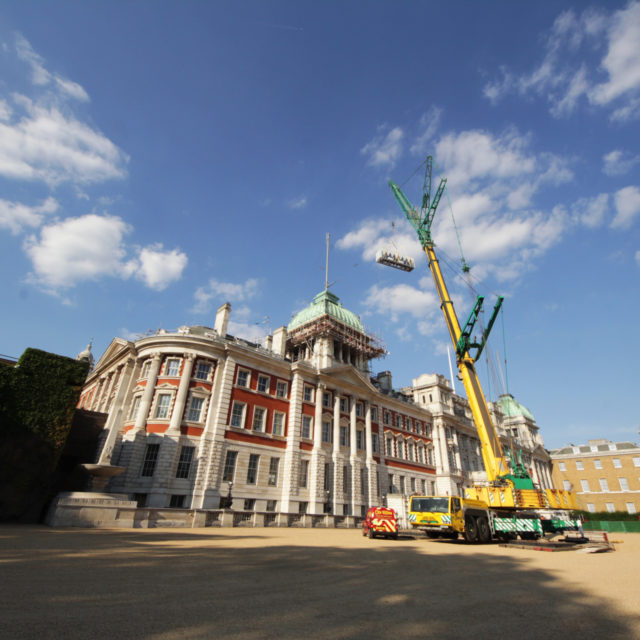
(117,348)
(350,376)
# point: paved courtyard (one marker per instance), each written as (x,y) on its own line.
(249,584)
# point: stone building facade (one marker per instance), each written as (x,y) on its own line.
(297,425)
(604,474)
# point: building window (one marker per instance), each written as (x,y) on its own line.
(345,479)
(145,369)
(281,389)
(386,416)
(163,405)
(398,421)
(271,505)
(423,486)
(584,484)
(326,400)
(392,487)
(617,464)
(278,423)
(172,367)
(420,454)
(327,477)
(562,466)
(636,461)
(307,423)
(624,484)
(375,443)
(195,409)
(579,465)
(229,466)
(252,469)
(411,451)
(402,485)
(263,384)
(304,473)
(374,414)
(344,405)
(409,424)
(249,504)
(150,459)
(203,371)
(418,428)
(413,485)
(259,415)
(631,507)
(135,406)
(237,414)
(184,462)
(274,464)
(243,378)
(610,507)
(326,431)
(359,409)
(343,437)
(566,485)
(308,393)
(389,447)
(597,464)
(591,508)
(427,430)
(302,507)
(359,439)
(604,485)
(176,501)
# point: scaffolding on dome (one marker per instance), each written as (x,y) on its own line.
(370,346)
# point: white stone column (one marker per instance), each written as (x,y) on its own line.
(181,396)
(316,485)
(337,489)
(356,490)
(147,396)
(292,452)
(212,447)
(371,495)
(114,421)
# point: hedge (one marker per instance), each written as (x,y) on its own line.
(38,397)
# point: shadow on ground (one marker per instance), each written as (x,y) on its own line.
(167,585)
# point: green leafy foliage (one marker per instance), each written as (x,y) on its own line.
(38,397)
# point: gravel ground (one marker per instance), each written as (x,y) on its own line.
(250,584)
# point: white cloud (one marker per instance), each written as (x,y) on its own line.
(297,203)
(622,62)
(15,215)
(566,74)
(158,268)
(40,76)
(91,247)
(627,203)
(618,162)
(429,123)
(591,212)
(47,145)
(638,257)
(224,291)
(399,299)
(385,149)
(78,249)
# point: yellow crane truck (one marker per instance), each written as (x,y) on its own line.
(508,504)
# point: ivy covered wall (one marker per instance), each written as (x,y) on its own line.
(38,397)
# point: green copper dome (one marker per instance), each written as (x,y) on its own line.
(326,303)
(512,409)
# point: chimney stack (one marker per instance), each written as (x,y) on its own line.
(280,341)
(222,319)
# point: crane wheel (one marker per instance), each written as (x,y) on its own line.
(470,529)
(484,533)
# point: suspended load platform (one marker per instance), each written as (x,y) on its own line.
(395,260)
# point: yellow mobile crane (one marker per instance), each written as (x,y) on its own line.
(509,504)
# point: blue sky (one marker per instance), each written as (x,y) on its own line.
(160,158)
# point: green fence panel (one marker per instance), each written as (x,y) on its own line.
(614,526)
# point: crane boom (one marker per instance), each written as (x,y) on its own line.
(496,464)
